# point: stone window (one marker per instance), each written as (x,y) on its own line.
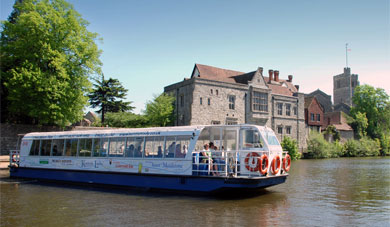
(312,117)
(232,102)
(288,129)
(215,122)
(280,129)
(209,101)
(200,101)
(181,100)
(280,108)
(216,92)
(211,91)
(231,121)
(260,101)
(288,109)
(318,117)
(295,110)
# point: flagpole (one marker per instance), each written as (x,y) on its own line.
(346,54)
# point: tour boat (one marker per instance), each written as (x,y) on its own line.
(190,158)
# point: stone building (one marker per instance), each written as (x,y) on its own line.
(220,96)
(344,86)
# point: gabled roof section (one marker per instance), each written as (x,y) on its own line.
(214,73)
(231,76)
(308,101)
(318,92)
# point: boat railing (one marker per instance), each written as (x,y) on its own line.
(14,158)
(225,163)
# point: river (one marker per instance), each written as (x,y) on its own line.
(330,192)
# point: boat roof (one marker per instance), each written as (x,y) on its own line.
(120,132)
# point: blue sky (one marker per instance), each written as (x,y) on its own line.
(150,44)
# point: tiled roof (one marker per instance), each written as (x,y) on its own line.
(231,76)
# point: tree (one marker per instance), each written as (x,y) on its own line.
(126,120)
(291,146)
(47,54)
(160,111)
(108,95)
(375,104)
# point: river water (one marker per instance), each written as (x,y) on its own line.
(331,192)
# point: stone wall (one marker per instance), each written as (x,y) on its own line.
(9,134)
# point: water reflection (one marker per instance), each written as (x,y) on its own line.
(334,192)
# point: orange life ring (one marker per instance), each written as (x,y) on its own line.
(263,160)
(287,163)
(275,165)
(253,167)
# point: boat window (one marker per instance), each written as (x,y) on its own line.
(181,147)
(45,147)
(117,147)
(100,147)
(154,147)
(209,134)
(271,138)
(138,146)
(58,147)
(85,147)
(35,147)
(71,147)
(170,146)
(130,146)
(251,139)
(229,137)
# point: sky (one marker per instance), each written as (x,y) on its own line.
(151,44)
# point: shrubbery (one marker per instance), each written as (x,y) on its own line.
(291,146)
(318,147)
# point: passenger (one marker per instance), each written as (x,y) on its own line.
(129,151)
(138,152)
(206,157)
(184,150)
(159,152)
(178,153)
(171,150)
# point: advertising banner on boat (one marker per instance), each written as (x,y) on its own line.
(176,167)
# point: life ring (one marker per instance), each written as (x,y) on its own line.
(254,166)
(263,163)
(287,163)
(275,165)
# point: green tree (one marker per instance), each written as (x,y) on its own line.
(126,120)
(160,111)
(108,95)
(291,146)
(375,104)
(47,54)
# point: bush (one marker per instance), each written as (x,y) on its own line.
(362,148)
(318,147)
(291,146)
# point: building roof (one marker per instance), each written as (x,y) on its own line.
(283,87)
(308,101)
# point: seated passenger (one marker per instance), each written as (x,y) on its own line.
(129,152)
(159,152)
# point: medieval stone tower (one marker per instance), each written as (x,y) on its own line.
(344,86)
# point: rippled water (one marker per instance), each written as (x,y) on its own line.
(332,192)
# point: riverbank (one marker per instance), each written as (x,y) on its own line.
(4,162)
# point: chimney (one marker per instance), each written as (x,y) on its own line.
(270,72)
(276,75)
(290,78)
(261,70)
(297,87)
